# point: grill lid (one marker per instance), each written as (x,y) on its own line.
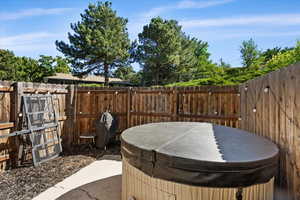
(106,128)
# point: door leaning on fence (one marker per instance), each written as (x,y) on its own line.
(41,120)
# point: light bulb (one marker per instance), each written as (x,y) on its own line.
(266,89)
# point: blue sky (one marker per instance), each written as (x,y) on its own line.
(30,27)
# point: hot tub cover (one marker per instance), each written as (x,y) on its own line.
(200,154)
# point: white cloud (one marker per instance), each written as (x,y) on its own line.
(185,4)
(200,4)
(32,12)
(262,34)
(266,20)
(136,26)
(28,42)
(221,35)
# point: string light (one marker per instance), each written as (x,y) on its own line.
(266,90)
(246,88)
(254,110)
(89,92)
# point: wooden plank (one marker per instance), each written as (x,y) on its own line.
(289,117)
(129,101)
(44,91)
(6,125)
(88,115)
(296,131)
(102,91)
(191,91)
(4,158)
(17,146)
(6,89)
(154,91)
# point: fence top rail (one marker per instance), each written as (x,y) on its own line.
(30,87)
(201,88)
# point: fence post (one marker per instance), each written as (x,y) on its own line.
(67,138)
(129,100)
(175,105)
(16,117)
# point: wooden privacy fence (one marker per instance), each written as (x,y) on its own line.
(268,106)
(79,107)
(135,106)
(271,108)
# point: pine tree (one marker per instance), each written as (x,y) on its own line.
(159,50)
(249,53)
(100,41)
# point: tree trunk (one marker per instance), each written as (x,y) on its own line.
(157,76)
(106,83)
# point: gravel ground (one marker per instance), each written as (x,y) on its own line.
(27,182)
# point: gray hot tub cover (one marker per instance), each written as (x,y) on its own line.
(200,154)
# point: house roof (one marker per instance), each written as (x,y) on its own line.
(86,78)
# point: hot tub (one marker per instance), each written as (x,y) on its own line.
(196,161)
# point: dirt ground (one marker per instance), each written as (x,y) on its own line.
(27,182)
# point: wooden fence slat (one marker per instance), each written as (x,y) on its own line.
(277,118)
(6,125)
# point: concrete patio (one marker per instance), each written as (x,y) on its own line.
(95,181)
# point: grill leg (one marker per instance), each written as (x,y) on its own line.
(20,154)
(239,194)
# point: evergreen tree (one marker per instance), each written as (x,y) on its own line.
(7,65)
(158,50)
(99,43)
(15,68)
(188,59)
(124,72)
(128,74)
(61,65)
(270,53)
(223,64)
(249,53)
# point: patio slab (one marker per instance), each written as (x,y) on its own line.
(96,171)
(104,189)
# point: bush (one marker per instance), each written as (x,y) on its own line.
(234,76)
